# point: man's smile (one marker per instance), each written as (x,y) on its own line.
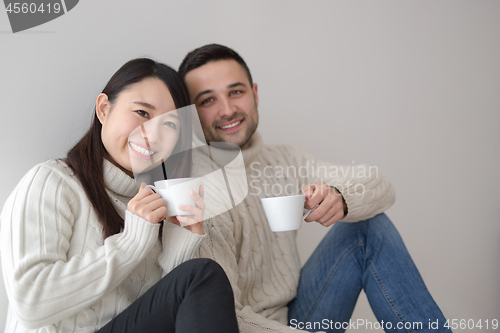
(231,126)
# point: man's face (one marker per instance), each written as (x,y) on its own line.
(225,100)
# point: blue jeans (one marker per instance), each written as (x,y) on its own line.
(371,255)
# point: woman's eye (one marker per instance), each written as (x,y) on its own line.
(171,124)
(142,113)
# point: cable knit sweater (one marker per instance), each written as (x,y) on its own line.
(263,267)
(60,274)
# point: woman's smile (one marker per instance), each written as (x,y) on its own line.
(141,151)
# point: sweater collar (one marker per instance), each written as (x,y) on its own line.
(118,181)
(253,148)
(250,152)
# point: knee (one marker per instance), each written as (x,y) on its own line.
(380,227)
(206,273)
(207,267)
(381,223)
(380,217)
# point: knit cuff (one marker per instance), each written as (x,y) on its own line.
(354,208)
(138,234)
(179,245)
(352,203)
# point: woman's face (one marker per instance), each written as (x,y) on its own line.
(141,127)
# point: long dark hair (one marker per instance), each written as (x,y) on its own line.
(87,156)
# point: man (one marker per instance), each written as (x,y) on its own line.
(271,290)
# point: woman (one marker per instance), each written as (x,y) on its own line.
(82,249)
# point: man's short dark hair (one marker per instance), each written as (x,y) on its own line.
(208,53)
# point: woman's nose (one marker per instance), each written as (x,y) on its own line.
(150,131)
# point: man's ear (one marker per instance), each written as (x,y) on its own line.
(102,107)
(255,94)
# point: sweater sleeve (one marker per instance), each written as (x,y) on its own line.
(179,245)
(365,191)
(44,284)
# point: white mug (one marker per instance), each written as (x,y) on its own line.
(175,192)
(285,213)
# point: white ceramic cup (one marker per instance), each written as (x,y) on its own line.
(285,213)
(175,192)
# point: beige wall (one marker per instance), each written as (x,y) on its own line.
(411,87)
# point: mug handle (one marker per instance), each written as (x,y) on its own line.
(151,187)
(306,214)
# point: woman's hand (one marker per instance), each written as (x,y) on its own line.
(148,205)
(194,223)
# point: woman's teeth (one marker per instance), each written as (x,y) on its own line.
(141,150)
(231,125)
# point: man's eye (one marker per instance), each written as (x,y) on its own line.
(235,92)
(207,100)
(171,124)
(142,113)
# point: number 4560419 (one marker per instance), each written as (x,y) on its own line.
(471,324)
(32,8)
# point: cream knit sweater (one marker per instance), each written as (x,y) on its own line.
(60,275)
(264,266)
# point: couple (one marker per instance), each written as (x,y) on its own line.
(86,248)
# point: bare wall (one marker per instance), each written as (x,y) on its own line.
(410,87)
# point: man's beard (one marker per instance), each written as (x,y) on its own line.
(212,134)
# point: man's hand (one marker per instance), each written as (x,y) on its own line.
(331,204)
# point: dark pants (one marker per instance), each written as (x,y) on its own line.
(194,297)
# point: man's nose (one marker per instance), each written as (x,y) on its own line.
(226,108)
